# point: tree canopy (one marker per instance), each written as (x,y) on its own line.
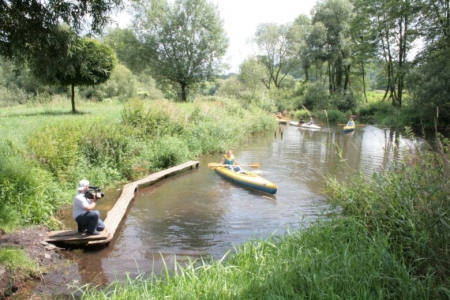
(71,60)
(183,41)
(26,24)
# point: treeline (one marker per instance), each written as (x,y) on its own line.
(329,60)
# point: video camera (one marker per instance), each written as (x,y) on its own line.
(97,192)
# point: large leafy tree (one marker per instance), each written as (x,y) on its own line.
(28,24)
(274,52)
(183,41)
(331,18)
(302,55)
(127,48)
(71,60)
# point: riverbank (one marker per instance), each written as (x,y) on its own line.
(45,151)
(42,256)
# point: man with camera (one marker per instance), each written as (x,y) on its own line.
(84,202)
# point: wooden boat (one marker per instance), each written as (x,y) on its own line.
(312,126)
(281,121)
(348,128)
(248,179)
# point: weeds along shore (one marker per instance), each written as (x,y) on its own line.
(389,240)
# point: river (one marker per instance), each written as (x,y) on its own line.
(199,214)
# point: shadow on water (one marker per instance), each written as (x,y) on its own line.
(197,213)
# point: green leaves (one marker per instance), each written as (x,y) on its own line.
(183,42)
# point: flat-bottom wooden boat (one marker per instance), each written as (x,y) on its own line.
(248,179)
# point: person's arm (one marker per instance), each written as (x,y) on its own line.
(222,162)
(92,204)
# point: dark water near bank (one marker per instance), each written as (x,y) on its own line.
(197,213)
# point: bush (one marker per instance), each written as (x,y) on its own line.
(316,97)
(167,152)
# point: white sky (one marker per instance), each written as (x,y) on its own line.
(242,17)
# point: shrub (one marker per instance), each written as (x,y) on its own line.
(167,152)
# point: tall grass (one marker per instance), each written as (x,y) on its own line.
(46,151)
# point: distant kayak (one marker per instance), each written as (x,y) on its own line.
(312,126)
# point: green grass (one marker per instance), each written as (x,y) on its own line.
(46,150)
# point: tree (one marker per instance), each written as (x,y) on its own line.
(251,73)
(73,61)
(334,17)
(274,52)
(26,24)
(182,42)
(297,34)
(127,48)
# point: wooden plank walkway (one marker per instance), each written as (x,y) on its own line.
(116,214)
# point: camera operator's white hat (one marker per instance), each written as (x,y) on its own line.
(82,184)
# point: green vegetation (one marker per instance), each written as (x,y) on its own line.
(388,241)
(45,151)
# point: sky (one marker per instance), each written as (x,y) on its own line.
(242,17)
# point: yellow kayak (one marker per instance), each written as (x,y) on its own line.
(248,179)
(349,128)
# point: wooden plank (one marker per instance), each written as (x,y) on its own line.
(73,235)
(116,214)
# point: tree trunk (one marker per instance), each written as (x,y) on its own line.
(73,99)
(183,92)
(364,81)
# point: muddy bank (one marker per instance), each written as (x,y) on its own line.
(15,284)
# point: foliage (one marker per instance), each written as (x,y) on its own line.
(273,53)
(127,48)
(122,84)
(28,194)
(73,61)
(30,25)
(57,149)
(378,111)
(410,208)
(182,42)
(316,97)
(45,151)
(346,102)
(430,86)
(167,152)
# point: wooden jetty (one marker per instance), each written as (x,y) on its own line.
(116,214)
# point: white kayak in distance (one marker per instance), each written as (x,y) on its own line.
(309,126)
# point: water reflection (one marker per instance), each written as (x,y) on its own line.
(198,213)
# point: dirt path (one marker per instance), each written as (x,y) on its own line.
(47,257)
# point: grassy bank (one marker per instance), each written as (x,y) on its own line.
(46,150)
(389,241)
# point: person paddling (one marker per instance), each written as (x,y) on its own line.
(230,161)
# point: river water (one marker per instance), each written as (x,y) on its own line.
(197,213)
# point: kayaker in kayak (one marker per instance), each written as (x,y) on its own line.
(301,120)
(229,160)
(311,121)
(350,122)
